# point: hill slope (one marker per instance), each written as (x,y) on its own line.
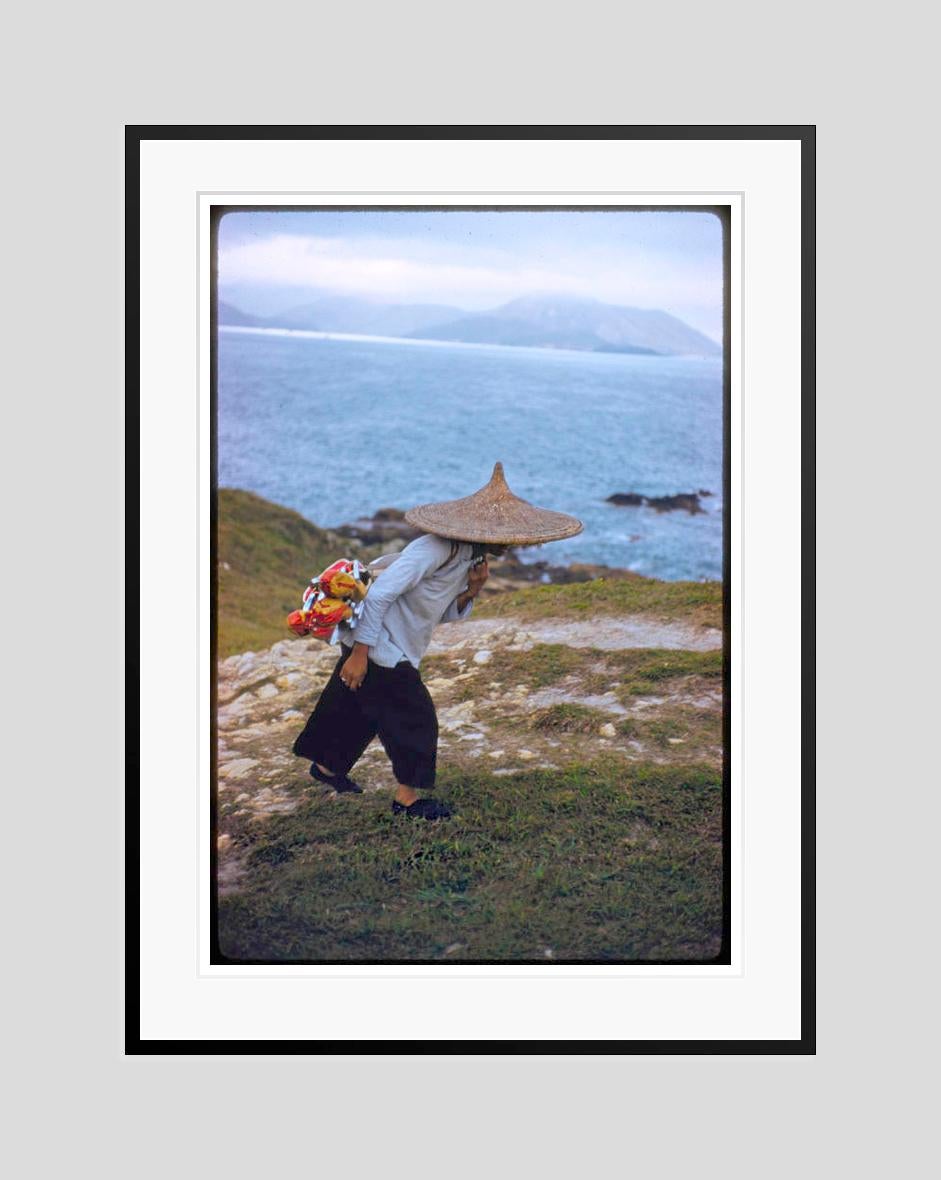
(266,556)
(563,322)
(235,317)
(338,313)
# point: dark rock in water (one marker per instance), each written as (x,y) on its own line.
(388,524)
(684,500)
(509,569)
(510,566)
(687,500)
(703,492)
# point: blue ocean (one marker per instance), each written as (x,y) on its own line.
(337,427)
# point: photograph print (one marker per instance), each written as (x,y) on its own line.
(470,493)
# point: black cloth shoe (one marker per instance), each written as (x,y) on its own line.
(340,783)
(423,808)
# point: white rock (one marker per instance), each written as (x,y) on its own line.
(291,714)
(456,716)
(234,712)
(495,753)
(237,769)
(285,662)
(483,656)
(525,754)
(677,741)
(266,691)
(607,730)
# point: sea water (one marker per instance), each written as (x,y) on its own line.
(337,427)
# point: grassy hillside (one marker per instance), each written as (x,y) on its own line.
(602,862)
(267,554)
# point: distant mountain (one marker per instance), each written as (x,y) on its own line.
(267,300)
(537,321)
(547,321)
(346,313)
(495,329)
(228,314)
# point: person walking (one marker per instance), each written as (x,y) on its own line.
(376,687)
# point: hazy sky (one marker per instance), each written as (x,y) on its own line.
(671,261)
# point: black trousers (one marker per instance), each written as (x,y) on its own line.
(391,704)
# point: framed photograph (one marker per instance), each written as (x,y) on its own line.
(475,681)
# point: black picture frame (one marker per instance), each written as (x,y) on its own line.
(805,135)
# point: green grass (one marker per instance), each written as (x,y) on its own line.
(635,671)
(643,670)
(697,730)
(266,554)
(568,717)
(542,665)
(694,602)
(599,862)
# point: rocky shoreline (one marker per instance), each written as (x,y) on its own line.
(686,501)
(388,529)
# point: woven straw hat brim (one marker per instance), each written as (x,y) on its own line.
(494,515)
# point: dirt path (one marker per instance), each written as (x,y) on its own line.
(609,634)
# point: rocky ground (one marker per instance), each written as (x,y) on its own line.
(512,695)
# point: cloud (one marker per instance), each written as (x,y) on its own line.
(414,270)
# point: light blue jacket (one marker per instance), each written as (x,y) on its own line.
(409,599)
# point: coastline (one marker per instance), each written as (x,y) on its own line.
(539,350)
(266,554)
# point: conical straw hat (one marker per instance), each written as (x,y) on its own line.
(495,515)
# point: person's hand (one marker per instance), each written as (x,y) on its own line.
(353,672)
(476,578)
